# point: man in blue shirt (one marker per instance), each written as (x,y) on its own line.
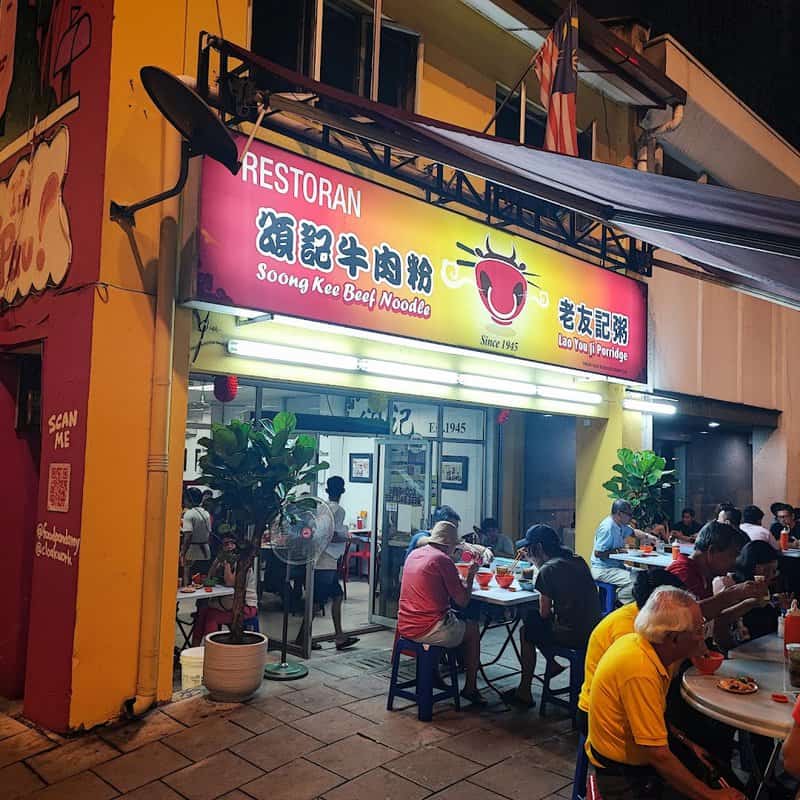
(609,538)
(440,514)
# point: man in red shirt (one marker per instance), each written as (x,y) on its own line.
(715,553)
(430,584)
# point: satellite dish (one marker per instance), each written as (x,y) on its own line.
(203,134)
(303,530)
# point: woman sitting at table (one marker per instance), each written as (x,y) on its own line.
(218,611)
(758,561)
(569,607)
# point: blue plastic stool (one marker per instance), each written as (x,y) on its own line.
(576,659)
(581,771)
(251,624)
(428,658)
(608,597)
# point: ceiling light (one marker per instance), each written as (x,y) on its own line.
(713,424)
(704,433)
(650,407)
(497,384)
(291,355)
(570,395)
(394,369)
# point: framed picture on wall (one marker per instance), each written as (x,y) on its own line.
(360,467)
(455,472)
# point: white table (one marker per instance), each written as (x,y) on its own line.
(515,600)
(791,553)
(640,559)
(187,628)
(758,713)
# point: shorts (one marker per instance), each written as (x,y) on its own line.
(538,631)
(448,632)
(326,586)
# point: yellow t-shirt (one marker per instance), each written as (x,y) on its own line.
(608,630)
(627,702)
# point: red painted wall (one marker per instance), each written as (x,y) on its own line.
(18,496)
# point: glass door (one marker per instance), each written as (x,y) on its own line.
(402,508)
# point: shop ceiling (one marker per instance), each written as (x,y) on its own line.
(613,216)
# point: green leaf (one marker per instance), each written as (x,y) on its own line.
(284,421)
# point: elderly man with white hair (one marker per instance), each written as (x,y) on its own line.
(429,585)
(628,739)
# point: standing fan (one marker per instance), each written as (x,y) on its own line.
(303,530)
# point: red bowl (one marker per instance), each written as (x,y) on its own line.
(504,581)
(463,569)
(484,579)
(708,664)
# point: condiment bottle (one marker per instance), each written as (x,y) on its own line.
(791,625)
(785,539)
(676,549)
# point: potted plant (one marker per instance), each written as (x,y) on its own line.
(259,470)
(640,477)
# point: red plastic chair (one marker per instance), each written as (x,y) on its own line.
(362,555)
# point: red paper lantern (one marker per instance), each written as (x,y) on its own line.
(502,416)
(226,387)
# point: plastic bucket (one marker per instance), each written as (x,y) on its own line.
(192,667)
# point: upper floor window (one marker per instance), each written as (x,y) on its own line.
(283,32)
(507,124)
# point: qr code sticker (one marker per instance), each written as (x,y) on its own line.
(58,487)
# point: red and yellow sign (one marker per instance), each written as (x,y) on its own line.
(291,236)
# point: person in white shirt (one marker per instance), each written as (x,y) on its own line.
(326,570)
(195,535)
(752,516)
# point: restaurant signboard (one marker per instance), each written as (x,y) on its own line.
(292,236)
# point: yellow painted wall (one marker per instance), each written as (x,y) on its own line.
(140,161)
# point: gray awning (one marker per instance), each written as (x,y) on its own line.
(741,234)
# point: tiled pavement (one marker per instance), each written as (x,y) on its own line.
(327,736)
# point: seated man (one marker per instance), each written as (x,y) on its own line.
(489,536)
(614,626)
(628,740)
(609,539)
(440,514)
(430,583)
(752,517)
(569,606)
(715,552)
(688,527)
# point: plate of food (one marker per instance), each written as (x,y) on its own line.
(744,684)
(188,589)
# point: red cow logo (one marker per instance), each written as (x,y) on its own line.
(502,281)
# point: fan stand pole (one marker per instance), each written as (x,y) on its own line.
(285,670)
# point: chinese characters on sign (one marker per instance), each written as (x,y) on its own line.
(291,236)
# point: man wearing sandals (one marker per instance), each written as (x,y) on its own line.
(430,584)
(569,607)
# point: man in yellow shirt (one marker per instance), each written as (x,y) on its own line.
(614,626)
(628,740)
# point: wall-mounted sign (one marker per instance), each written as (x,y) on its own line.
(291,236)
(35,244)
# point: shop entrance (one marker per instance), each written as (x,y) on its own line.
(20,443)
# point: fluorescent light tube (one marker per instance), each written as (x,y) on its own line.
(570,395)
(648,407)
(393,369)
(497,384)
(292,355)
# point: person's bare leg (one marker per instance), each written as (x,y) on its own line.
(472,654)
(528,669)
(336,616)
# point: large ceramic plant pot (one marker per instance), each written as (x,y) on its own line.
(232,673)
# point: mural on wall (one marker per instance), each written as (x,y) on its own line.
(40,44)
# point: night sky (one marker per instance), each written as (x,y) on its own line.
(749,45)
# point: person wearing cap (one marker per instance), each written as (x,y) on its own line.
(609,539)
(569,606)
(430,585)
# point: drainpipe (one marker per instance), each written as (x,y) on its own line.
(158,450)
(646,144)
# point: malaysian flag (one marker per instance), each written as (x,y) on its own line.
(556,66)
